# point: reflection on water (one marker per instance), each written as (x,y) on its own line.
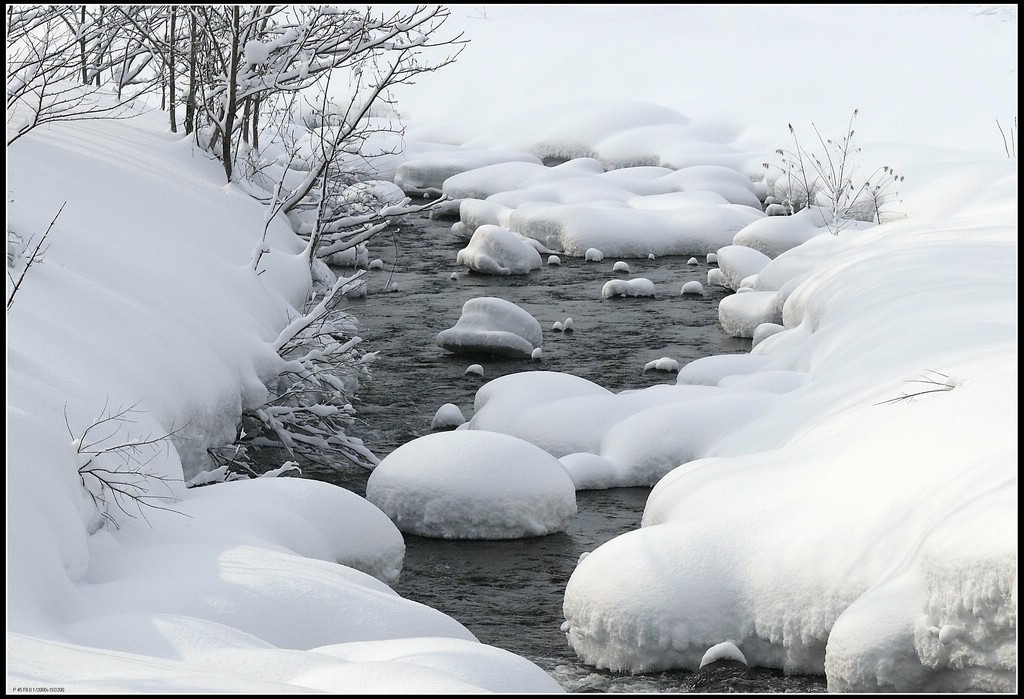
(509,593)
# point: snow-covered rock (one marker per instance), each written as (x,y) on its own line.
(473,485)
(490,325)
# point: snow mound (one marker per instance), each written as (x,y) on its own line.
(473,485)
(641,286)
(495,250)
(726,650)
(448,416)
(741,314)
(737,263)
(426,174)
(710,370)
(695,288)
(594,472)
(663,364)
(490,325)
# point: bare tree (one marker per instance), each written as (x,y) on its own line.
(114,465)
(257,52)
(56,55)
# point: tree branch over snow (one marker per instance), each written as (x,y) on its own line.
(114,465)
(56,55)
(35,256)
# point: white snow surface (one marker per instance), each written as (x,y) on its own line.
(807,506)
(146,300)
(862,486)
(473,485)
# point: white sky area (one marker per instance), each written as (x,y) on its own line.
(806,512)
(749,69)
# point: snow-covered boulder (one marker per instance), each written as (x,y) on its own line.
(448,416)
(490,325)
(641,286)
(740,314)
(737,263)
(473,485)
(495,250)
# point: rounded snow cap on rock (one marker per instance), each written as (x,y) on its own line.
(641,286)
(490,325)
(693,287)
(448,416)
(663,364)
(593,255)
(474,370)
(726,650)
(620,266)
(472,484)
(554,260)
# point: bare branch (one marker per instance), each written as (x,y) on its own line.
(37,252)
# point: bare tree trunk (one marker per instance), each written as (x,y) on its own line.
(193,56)
(171,67)
(231,99)
(256,122)
(83,55)
(246,114)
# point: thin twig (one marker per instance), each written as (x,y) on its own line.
(32,258)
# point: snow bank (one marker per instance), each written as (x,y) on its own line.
(896,572)
(146,301)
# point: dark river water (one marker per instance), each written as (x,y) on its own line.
(509,593)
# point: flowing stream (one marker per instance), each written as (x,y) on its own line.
(509,593)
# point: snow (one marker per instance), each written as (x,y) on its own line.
(662,364)
(473,485)
(145,299)
(495,250)
(726,650)
(738,262)
(427,174)
(806,508)
(448,416)
(693,287)
(491,325)
(639,286)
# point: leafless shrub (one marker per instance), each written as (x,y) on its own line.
(114,465)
